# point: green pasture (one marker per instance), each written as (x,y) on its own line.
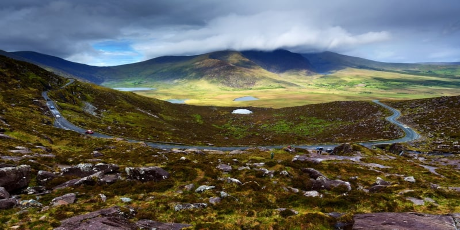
(345,85)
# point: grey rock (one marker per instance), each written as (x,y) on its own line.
(64,200)
(146,173)
(243,168)
(35,190)
(103,197)
(380,181)
(285,173)
(284,209)
(234,181)
(8,203)
(342,149)
(97,154)
(224,167)
(44,176)
(4,194)
(189,187)
(150,225)
(106,168)
(410,179)
(30,204)
(215,200)
(14,178)
(223,194)
(312,173)
(377,188)
(327,184)
(4,136)
(312,194)
(203,188)
(110,218)
(126,199)
(266,172)
(80,170)
(407,221)
(180,207)
(415,201)
(237,152)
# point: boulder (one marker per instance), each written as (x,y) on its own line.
(4,194)
(35,190)
(180,207)
(203,188)
(377,188)
(215,200)
(45,176)
(8,203)
(150,224)
(80,170)
(407,221)
(4,136)
(30,204)
(14,178)
(380,181)
(97,154)
(110,218)
(311,194)
(312,173)
(224,167)
(409,179)
(343,149)
(64,200)
(96,178)
(146,173)
(396,148)
(233,180)
(324,183)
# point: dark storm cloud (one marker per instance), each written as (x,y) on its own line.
(410,30)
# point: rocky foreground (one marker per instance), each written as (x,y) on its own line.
(352,188)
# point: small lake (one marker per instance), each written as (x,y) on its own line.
(134,89)
(246,98)
(177,101)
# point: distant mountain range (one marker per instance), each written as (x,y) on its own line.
(227,68)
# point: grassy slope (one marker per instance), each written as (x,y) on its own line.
(251,206)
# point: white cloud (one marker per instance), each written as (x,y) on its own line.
(263,31)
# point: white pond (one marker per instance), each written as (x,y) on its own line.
(177,101)
(242,111)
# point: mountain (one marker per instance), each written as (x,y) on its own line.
(59,65)
(330,61)
(226,68)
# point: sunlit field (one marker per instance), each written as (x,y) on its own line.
(344,85)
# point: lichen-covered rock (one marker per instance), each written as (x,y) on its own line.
(150,224)
(203,188)
(180,207)
(215,200)
(80,170)
(312,173)
(64,200)
(311,193)
(146,173)
(409,179)
(110,218)
(327,184)
(45,176)
(8,203)
(380,181)
(224,167)
(4,194)
(35,190)
(407,221)
(14,178)
(30,204)
(343,149)
(396,148)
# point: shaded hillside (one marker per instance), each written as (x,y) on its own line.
(330,61)
(60,66)
(279,61)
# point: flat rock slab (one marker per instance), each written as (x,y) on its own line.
(403,221)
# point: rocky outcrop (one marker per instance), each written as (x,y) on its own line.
(8,203)
(203,188)
(110,218)
(146,173)
(343,149)
(86,169)
(180,207)
(4,194)
(45,176)
(396,148)
(407,221)
(96,178)
(224,168)
(64,200)
(14,178)
(320,182)
(150,224)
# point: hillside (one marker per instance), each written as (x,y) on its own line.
(59,179)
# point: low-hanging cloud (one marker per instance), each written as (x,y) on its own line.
(263,31)
(410,30)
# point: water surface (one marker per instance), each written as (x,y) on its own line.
(134,89)
(246,98)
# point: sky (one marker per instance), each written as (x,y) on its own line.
(114,32)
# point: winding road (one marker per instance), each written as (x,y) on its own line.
(62,123)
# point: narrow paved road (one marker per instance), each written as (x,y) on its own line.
(62,123)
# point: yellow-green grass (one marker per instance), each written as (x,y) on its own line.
(344,85)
